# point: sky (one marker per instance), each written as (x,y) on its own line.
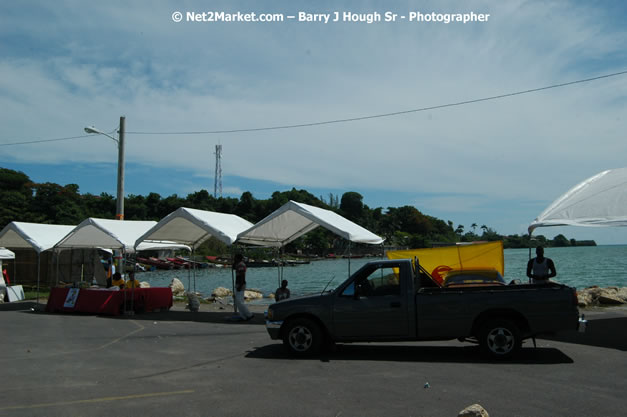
(66,65)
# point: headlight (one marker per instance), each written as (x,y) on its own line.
(270,314)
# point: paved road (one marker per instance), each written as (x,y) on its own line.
(197,364)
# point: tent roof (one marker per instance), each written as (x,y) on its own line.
(40,237)
(600,200)
(293,220)
(192,227)
(6,254)
(113,234)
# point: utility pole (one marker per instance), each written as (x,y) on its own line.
(217,184)
(120,199)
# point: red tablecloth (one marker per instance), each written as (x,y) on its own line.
(111,302)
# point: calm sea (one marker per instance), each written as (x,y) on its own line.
(577,267)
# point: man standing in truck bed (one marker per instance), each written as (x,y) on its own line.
(540,269)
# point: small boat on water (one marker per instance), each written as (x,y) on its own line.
(198,265)
(179,263)
(217,261)
(156,262)
(294,262)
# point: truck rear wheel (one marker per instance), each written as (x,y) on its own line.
(500,339)
(302,337)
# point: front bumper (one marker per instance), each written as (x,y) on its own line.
(274,328)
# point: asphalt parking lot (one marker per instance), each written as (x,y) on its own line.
(198,364)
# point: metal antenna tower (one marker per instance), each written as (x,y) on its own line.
(217,185)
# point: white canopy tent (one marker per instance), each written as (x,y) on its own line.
(113,234)
(599,201)
(292,220)
(6,254)
(192,227)
(40,237)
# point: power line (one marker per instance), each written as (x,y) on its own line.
(347,120)
(45,140)
(398,113)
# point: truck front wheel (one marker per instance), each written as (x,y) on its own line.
(302,337)
(500,339)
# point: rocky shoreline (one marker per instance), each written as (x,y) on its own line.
(596,296)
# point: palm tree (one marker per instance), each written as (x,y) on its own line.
(473,227)
(460,229)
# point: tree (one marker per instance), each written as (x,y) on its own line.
(16,191)
(560,241)
(352,206)
(246,206)
(473,227)
(57,204)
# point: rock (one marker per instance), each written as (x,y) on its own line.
(609,297)
(584,298)
(252,294)
(271,295)
(221,292)
(593,296)
(177,287)
(474,410)
(144,284)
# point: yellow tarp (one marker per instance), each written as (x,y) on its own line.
(437,261)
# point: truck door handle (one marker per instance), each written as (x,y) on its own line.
(396,304)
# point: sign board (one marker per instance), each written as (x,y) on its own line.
(15,293)
(72,296)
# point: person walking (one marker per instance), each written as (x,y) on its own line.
(240,287)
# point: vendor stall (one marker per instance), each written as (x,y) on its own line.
(102,301)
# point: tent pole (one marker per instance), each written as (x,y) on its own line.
(38,271)
(233,280)
(279,249)
(121,273)
(349,258)
(132,289)
(56,283)
(194,269)
(529,251)
(189,280)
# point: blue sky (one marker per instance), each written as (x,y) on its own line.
(69,64)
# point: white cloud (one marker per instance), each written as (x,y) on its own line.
(103,61)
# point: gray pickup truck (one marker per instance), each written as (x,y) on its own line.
(387,301)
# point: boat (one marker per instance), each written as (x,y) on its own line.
(179,262)
(156,262)
(199,265)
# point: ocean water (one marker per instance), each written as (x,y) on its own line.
(577,267)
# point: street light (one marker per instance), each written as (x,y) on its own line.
(120,197)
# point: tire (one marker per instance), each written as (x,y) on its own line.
(500,339)
(302,337)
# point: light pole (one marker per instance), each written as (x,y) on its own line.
(120,197)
